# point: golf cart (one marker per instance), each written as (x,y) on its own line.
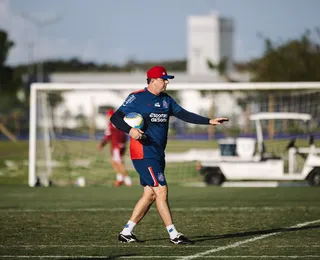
(252,162)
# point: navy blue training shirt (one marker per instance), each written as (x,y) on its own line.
(155,111)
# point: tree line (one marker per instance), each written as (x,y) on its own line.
(292,60)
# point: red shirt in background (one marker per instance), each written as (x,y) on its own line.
(117,137)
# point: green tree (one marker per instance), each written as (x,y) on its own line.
(10,105)
(6,73)
(9,82)
(5,46)
(294,60)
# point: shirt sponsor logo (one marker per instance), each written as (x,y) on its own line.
(158,118)
(129,100)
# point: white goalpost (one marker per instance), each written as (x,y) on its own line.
(63,135)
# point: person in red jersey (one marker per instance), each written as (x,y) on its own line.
(117,139)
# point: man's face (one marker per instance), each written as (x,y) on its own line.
(160,84)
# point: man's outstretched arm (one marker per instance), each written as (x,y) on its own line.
(197,119)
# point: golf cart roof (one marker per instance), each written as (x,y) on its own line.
(280,115)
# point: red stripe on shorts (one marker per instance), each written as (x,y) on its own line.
(155,181)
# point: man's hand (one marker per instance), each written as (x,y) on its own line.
(136,133)
(218,121)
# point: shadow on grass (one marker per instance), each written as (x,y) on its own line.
(251,233)
(113,257)
(198,239)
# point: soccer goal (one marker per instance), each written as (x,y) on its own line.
(67,121)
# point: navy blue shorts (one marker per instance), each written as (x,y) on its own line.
(151,172)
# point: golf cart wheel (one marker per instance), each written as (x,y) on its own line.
(314,177)
(214,177)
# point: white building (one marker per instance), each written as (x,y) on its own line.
(210,37)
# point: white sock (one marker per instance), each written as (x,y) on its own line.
(172,231)
(127,230)
(127,180)
(119,177)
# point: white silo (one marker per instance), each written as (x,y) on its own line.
(210,37)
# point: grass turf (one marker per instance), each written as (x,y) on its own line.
(83,223)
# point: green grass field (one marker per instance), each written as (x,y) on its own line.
(225,223)
(83,223)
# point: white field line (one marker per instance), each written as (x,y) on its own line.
(157,257)
(143,246)
(237,244)
(174,209)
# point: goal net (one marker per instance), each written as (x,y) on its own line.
(67,121)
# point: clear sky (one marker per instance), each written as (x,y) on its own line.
(113,31)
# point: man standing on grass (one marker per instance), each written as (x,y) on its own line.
(147,148)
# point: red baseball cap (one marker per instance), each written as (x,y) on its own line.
(158,72)
(110,112)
